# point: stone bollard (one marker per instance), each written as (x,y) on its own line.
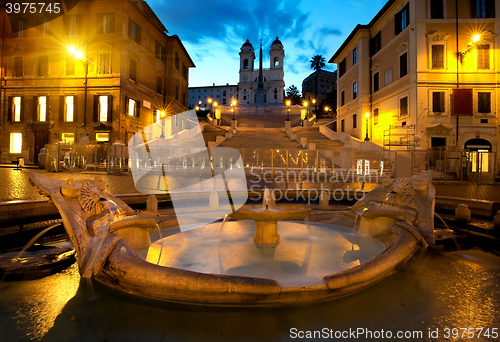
(234,124)
(288,125)
(152,204)
(213,201)
(324,199)
(496,222)
(462,213)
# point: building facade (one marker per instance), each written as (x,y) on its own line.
(205,97)
(100,72)
(326,82)
(418,69)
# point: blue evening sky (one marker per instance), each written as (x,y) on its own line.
(213,32)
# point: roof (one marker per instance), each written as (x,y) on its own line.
(247,43)
(360,27)
(176,37)
(276,41)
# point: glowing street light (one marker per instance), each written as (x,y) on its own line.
(288,111)
(367,116)
(162,115)
(475,38)
(81,57)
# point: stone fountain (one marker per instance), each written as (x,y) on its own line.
(261,258)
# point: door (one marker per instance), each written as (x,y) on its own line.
(41,139)
(438,146)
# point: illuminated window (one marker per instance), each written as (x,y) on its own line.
(102,136)
(68,138)
(16,142)
(17,106)
(483,56)
(103,108)
(131,107)
(69,108)
(42,108)
(354,90)
(158,115)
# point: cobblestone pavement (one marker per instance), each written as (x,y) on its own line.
(15,185)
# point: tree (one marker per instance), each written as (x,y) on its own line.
(293,94)
(317,63)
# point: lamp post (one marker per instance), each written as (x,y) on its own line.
(215,112)
(81,58)
(367,116)
(305,104)
(210,102)
(162,115)
(288,110)
(233,105)
(314,104)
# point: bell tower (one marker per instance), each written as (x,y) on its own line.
(247,57)
(276,55)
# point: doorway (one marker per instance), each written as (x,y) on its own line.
(41,139)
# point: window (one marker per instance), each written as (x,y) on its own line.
(43,65)
(69,108)
(72,24)
(438,102)
(103,108)
(185,71)
(133,70)
(133,107)
(18,28)
(342,68)
(16,142)
(375,116)
(354,56)
(159,85)
(403,64)
(375,44)
(483,56)
(105,23)
(376,82)
(102,136)
(245,63)
(104,68)
(437,56)
(354,121)
(354,90)
(134,31)
(437,9)
(342,98)
(388,77)
(177,92)
(161,52)
(70,65)
(16,108)
(177,61)
(42,108)
(402,19)
(403,106)
(276,62)
(342,125)
(18,67)
(483,8)
(483,102)
(43,26)
(68,138)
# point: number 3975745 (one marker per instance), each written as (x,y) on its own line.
(33,7)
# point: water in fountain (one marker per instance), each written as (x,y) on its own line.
(161,249)
(448,230)
(29,244)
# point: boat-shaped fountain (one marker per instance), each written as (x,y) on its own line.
(255,257)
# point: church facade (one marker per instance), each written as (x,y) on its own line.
(273,83)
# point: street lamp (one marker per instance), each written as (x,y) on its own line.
(215,112)
(305,104)
(210,102)
(476,38)
(233,104)
(288,111)
(367,116)
(314,104)
(80,57)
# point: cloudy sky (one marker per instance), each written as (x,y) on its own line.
(213,32)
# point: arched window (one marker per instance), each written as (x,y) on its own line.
(245,63)
(276,62)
